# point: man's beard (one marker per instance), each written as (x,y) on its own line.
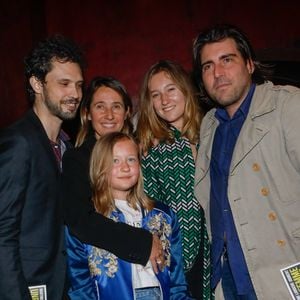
(56,109)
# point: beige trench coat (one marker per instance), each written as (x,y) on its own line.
(263,185)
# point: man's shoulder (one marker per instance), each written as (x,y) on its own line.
(268,97)
(210,113)
(208,120)
(23,133)
(26,125)
(22,127)
(273,88)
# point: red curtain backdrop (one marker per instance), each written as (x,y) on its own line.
(123,38)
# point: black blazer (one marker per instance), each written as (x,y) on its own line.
(31,229)
(127,242)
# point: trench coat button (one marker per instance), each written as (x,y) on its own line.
(264,191)
(281,243)
(272,216)
(255,167)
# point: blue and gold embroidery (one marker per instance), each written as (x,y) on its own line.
(158,224)
(100,260)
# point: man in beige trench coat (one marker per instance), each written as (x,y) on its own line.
(248,169)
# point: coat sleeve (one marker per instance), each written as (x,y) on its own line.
(291,124)
(127,242)
(14,169)
(81,282)
(179,287)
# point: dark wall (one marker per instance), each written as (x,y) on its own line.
(124,37)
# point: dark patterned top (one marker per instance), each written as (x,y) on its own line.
(168,171)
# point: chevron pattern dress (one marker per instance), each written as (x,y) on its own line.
(168,171)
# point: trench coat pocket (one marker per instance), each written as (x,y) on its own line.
(296,234)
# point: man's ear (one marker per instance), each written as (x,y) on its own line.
(36,84)
(250,66)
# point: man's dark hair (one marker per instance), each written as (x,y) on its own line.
(39,61)
(216,34)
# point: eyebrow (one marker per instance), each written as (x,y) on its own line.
(63,79)
(113,102)
(168,85)
(228,55)
(220,58)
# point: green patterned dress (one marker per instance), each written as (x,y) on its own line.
(168,171)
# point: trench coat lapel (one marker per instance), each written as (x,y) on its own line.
(253,130)
(206,143)
(249,137)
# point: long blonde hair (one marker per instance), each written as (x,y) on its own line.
(150,126)
(100,168)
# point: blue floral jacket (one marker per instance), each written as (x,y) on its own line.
(98,274)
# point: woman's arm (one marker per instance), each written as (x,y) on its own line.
(127,242)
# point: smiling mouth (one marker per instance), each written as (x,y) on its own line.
(71,106)
(108,125)
(169,108)
(69,102)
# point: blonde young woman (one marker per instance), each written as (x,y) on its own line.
(117,186)
(168,130)
(106,108)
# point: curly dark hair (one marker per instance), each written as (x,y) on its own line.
(38,62)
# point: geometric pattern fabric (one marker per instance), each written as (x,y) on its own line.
(168,171)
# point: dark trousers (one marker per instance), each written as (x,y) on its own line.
(194,278)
